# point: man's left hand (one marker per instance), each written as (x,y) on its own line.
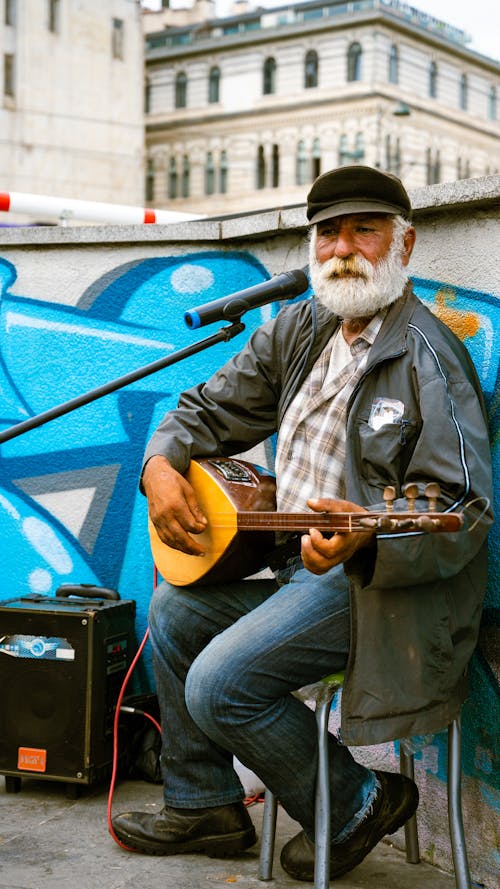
(319,553)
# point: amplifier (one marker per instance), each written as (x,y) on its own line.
(63,659)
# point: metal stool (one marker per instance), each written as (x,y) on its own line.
(329,687)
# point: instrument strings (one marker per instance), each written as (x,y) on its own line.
(262,520)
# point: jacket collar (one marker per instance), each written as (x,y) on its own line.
(391,339)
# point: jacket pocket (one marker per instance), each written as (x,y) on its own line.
(385,452)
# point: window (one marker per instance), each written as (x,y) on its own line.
(269,72)
(311,69)
(209,174)
(344,155)
(54,13)
(8,75)
(354,55)
(433,74)
(275,166)
(433,165)
(392,154)
(186,175)
(393,64)
(359,147)
(10,12)
(396,163)
(147,96)
(437,167)
(316,159)
(463,168)
(213,85)
(179,39)
(223,172)
(492,103)
(301,164)
(354,155)
(463,92)
(261,167)
(314,13)
(150,182)
(172,178)
(117,36)
(181,90)
(387,159)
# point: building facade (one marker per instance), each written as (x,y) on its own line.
(72,115)
(243,112)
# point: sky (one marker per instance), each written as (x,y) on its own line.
(478,18)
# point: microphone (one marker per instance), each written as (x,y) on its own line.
(231,307)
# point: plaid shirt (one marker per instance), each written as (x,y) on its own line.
(311,440)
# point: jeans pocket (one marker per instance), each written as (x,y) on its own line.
(284,575)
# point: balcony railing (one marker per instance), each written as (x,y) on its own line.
(217,29)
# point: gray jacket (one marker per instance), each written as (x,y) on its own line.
(415,598)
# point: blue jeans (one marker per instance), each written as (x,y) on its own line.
(226,659)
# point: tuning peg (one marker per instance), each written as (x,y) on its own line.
(368,522)
(425,523)
(411,493)
(385,523)
(389,497)
(432,492)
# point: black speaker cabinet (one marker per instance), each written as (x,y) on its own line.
(63,659)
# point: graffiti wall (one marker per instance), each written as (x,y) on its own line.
(71,321)
(70,505)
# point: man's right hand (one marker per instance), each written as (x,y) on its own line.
(172,505)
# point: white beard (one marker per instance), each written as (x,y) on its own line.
(366,288)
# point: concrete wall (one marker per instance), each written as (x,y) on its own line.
(83,306)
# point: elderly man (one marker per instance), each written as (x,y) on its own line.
(365,388)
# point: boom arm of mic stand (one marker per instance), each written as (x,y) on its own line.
(223,335)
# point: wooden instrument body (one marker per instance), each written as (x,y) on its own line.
(223,488)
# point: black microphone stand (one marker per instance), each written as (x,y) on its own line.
(223,335)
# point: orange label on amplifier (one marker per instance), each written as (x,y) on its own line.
(31,759)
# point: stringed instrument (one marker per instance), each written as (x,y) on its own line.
(238,497)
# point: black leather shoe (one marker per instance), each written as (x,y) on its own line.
(218,832)
(394,804)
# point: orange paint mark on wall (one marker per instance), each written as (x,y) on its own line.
(463,324)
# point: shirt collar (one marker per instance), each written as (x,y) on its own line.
(368,335)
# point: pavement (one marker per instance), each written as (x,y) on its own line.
(50,841)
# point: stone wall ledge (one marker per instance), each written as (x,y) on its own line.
(447,197)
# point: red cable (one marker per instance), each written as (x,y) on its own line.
(256,798)
(115,727)
(115,740)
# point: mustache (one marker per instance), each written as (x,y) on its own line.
(351,266)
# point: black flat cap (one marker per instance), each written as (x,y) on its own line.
(356,189)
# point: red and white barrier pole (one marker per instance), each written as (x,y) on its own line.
(66,209)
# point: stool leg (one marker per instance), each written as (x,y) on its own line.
(322,827)
(407,767)
(268,836)
(458,847)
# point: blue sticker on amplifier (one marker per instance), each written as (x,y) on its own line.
(39,647)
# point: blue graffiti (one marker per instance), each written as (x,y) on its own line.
(77,475)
